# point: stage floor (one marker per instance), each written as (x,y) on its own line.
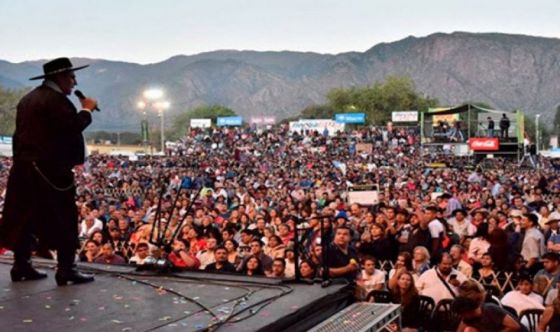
(122,300)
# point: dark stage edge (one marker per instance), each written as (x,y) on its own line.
(120,300)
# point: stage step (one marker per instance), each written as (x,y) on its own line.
(362,317)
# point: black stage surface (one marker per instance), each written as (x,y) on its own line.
(121,299)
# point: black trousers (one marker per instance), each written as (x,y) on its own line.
(41,212)
(504,132)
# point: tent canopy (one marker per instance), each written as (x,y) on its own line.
(462,109)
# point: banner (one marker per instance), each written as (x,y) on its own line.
(5,139)
(230,121)
(449,118)
(350,118)
(553,141)
(263,120)
(201,123)
(363,197)
(405,116)
(484,144)
(317,125)
(364,147)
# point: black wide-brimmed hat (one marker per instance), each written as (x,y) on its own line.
(57,66)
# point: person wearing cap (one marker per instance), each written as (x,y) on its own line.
(532,247)
(403,229)
(552,236)
(47,144)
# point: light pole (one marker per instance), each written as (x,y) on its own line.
(537,133)
(144,124)
(153,98)
(161,106)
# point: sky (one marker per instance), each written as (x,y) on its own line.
(144,31)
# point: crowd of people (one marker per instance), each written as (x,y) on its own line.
(237,197)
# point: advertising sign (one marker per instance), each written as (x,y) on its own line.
(201,123)
(484,144)
(5,139)
(350,118)
(404,116)
(449,118)
(230,121)
(263,120)
(317,125)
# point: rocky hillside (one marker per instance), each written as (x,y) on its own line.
(505,71)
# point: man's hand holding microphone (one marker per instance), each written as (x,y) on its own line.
(88,104)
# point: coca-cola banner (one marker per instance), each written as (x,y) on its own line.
(484,143)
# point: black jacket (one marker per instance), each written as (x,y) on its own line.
(49,129)
(40,197)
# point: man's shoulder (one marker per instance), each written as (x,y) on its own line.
(210,267)
(435,222)
(428,273)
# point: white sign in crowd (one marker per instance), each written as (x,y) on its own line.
(404,116)
(201,123)
(317,125)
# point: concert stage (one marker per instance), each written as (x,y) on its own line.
(121,299)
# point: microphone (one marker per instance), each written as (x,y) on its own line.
(80,95)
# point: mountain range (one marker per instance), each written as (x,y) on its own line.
(504,71)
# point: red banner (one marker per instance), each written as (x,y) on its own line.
(484,144)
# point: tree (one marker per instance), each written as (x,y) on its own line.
(530,129)
(8,103)
(182,120)
(556,128)
(377,101)
(318,112)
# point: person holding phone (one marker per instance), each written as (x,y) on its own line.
(441,282)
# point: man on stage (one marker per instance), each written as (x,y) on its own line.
(40,198)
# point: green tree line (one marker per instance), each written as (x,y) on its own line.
(8,103)
(377,101)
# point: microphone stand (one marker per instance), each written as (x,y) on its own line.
(326,281)
(296,249)
(163,264)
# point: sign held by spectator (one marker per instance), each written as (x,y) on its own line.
(364,147)
(370,197)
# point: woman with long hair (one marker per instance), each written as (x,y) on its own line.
(252,267)
(479,245)
(486,274)
(377,244)
(275,248)
(500,249)
(420,260)
(308,270)
(406,294)
(403,264)
(231,248)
